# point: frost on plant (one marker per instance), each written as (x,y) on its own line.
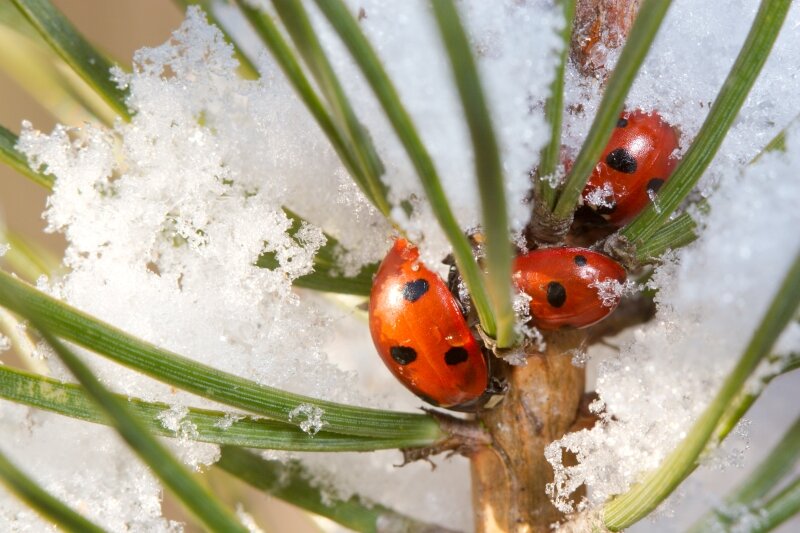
(193,454)
(228,420)
(308,417)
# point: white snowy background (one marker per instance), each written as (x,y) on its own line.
(124,198)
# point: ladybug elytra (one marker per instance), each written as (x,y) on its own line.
(420,333)
(635,164)
(566,286)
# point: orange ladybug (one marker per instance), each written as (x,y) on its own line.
(635,164)
(569,287)
(421,334)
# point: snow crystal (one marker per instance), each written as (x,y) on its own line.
(173,419)
(738,519)
(579,358)
(530,337)
(228,420)
(308,417)
(601,196)
(609,290)
(190,452)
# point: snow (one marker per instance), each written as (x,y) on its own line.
(166,216)
(84,465)
(308,417)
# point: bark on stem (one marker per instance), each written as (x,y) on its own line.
(509,477)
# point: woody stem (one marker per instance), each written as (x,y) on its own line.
(509,477)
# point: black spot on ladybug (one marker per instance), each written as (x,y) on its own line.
(456,355)
(621,160)
(621,123)
(654,185)
(403,355)
(414,290)
(580,260)
(556,294)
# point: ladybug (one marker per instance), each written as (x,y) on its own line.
(421,334)
(635,164)
(569,287)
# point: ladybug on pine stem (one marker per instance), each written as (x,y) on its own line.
(634,165)
(422,336)
(568,287)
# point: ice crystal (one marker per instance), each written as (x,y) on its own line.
(228,420)
(601,196)
(308,417)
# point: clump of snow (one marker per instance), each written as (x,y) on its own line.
(712,296)
(174,419)
(601,196)
(308,417)
(5,343)
(228,420)
(190,452)
(579,357)
(4,248)
(530,338)
(516,86)
(609,290)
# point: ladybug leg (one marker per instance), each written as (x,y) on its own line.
(454,284)
(497,385)
(463,437)
(495,392)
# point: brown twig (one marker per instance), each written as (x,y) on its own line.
(509,477)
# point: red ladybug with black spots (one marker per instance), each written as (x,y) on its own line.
(569,287)
(635,164)
(421,334)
